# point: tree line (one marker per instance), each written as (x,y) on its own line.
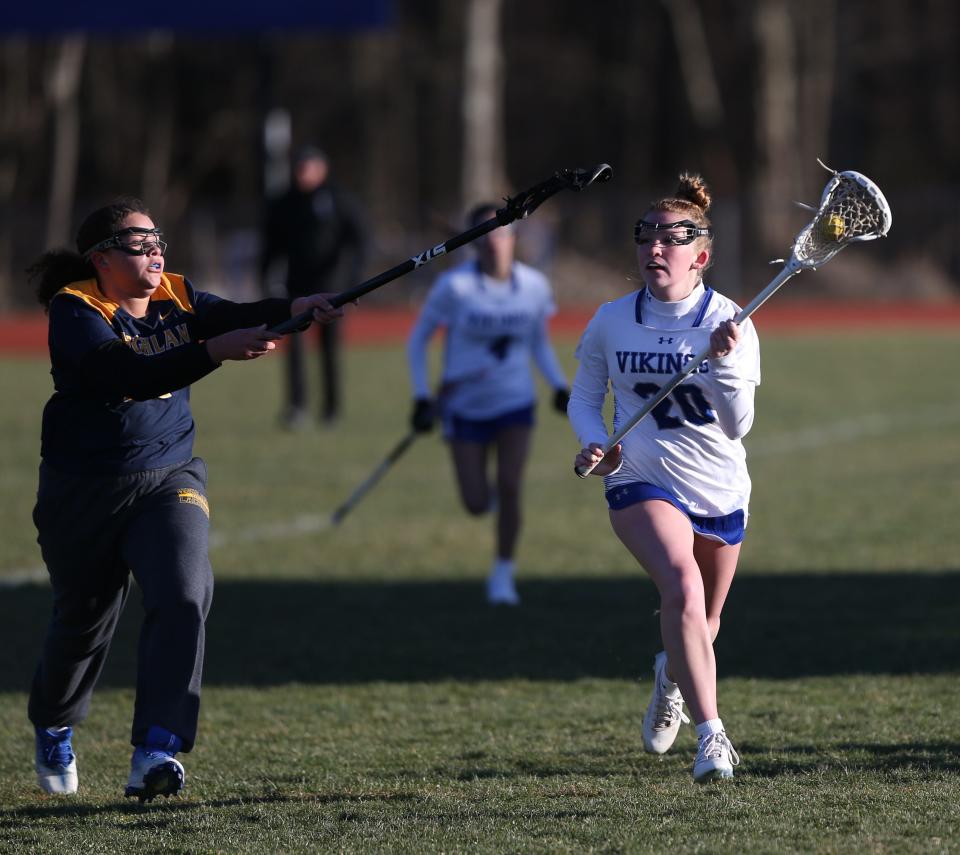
(455,102)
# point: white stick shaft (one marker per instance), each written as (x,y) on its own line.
(790,269)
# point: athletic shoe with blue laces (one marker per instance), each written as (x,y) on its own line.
(55,761)
(154,771)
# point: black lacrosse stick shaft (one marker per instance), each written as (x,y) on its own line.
(392,457)
(516,208)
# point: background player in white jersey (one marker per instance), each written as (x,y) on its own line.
(495,311)
(677,486)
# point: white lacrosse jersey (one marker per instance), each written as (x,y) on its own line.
(493,329)
(689,444)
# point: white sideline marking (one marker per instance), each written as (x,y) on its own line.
(851,430)
(304,524)
(788,442)
(22,578)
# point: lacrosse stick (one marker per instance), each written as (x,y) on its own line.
(516,208)
(852,209)
(395,453)
(370,482)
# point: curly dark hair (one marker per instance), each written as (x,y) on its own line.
(59,267)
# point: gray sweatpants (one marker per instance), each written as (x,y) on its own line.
(94,531)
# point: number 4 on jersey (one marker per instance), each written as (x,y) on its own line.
(500,345)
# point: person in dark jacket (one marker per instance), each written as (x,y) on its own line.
(120,491)
(319,230)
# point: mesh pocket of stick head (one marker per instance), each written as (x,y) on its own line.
(852,208)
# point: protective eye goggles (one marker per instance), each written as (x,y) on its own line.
(144,242)
(679,233)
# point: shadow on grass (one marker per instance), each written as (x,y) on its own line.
(896,758)
(70,808)
(158,814)
(268,633)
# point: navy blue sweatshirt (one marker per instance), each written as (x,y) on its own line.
(122,399)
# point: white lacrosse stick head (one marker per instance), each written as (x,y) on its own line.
(852,209)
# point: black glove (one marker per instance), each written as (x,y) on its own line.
(560,400)
(423,415)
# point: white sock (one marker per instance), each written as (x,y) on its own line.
(503,567)
(711,725)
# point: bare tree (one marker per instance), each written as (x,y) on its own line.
(777,126)
(63,90)
(390,136)
(483,174)
(699,77)
(15,123)
(158,143)
(706,108)
(818,48)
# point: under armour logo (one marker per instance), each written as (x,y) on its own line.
(664,340)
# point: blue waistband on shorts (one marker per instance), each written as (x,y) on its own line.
(486,430)
(729,528)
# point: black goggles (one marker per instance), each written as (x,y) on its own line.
(144,242)
(679,233)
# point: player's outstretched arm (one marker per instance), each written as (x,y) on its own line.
(323,312)
(242,344)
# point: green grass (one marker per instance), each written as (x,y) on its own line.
(360,697)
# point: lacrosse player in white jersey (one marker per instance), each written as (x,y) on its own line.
(677,485)
(495,311)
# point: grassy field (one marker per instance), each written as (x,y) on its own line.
(360,696)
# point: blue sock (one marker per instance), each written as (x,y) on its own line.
(162,739)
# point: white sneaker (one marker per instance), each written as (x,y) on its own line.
(501,590)
(716,758)
(664,713)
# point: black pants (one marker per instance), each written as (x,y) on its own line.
(329,370)
(94,531)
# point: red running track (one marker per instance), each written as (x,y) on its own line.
(27,333)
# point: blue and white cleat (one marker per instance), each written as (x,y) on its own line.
(154,771)
(716,758)
(56,763)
